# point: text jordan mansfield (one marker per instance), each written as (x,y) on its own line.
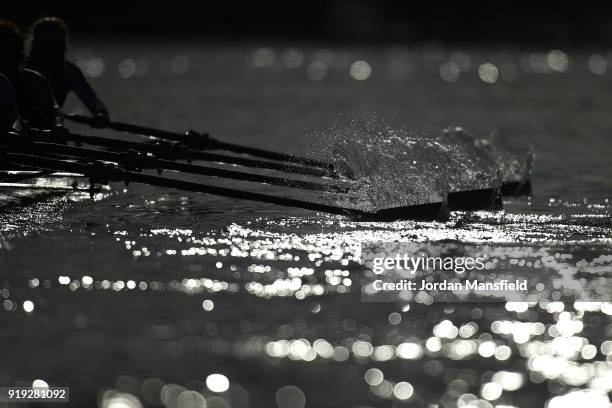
(474,285)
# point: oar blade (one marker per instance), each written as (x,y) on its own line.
(475,200)
(418,212)
(516,188)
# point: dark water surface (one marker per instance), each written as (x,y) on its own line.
(138,296)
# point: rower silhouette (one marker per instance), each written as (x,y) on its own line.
(34,98)
(48,46)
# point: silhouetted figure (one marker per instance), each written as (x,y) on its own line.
(35,101)
(48,46)
(8,106)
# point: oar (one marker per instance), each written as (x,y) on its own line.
(132,160)
(48,187)
(520,187)
(20,176)
(172,151)
(468,200)
(199,141)
(101,172)
(475,200)
(516,188)
(508,188)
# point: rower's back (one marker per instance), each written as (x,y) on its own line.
(34,98)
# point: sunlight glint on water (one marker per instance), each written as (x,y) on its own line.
(177,299)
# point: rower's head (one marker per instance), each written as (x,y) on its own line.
(11,48)
(48,40)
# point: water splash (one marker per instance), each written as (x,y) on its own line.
(392,166)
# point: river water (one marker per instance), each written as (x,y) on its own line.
(154,297)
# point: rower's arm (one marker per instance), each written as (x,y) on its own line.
(81,87)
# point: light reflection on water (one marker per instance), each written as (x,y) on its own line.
(152,297)
(299,280)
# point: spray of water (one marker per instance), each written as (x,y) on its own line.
(391,166)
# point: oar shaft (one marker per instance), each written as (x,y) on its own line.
(118,174)
(509,188)
(288,168)
(210,143)
(128,128)
(258,178)
(232,193)
(267,154)
(155,163)
(183,153)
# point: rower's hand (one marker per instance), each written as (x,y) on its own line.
(100,120)
(197,140)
